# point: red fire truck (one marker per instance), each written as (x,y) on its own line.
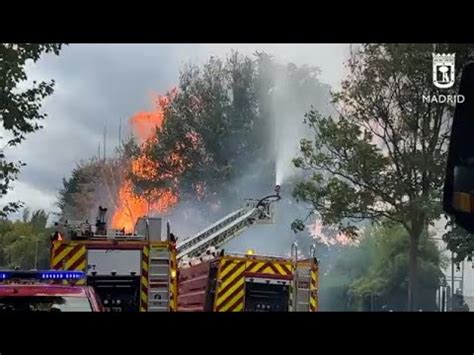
(249,283)
(139,271)
(131,272)
(212,280)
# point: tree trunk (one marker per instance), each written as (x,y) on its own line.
(413,271)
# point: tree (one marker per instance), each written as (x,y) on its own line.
(78,194)
(25,243)
(373,274)
(459,241)
(215,141)
(385,279)
(342,266)
(220,124)
(207,129)
(20,109)
(385,154)
(95,183)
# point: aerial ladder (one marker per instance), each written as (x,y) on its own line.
(210,280)
(228,227)
(140,270)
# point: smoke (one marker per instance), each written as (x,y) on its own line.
(189,218)
(294,91)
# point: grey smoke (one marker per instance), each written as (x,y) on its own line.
(99,84)
(288,107)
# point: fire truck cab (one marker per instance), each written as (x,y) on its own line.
(130,271)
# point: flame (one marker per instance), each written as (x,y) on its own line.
(316,231)
(144,124)
(160,200)
(131,206)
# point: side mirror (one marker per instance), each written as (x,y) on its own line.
(458,199)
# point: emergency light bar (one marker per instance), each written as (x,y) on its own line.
(42,275)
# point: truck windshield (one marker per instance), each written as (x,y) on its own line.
(45,304)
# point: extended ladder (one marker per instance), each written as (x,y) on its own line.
(225,229)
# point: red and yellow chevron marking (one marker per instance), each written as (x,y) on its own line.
(231,286)
(313,287)
(270,268)
(70,257)
(144,280)
(231,274)
(173,283)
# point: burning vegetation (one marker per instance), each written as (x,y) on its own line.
(132,204)
(204,146)
(329,236)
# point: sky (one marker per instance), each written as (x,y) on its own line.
(104,84)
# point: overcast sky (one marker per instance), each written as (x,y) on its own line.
(103,84)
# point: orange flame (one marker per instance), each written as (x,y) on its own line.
(132,206)
(316,231)
(145,123)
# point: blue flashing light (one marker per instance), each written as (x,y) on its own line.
(61,275)
(43,275)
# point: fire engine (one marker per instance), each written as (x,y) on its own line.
(130,271)
(140,271)
(32,291)
(251,283)
(212,280)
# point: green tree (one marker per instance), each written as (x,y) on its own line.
(459,241)
(221,122)
(373,274)
(25,243)
(206,132)
(95,183)
(385,154)
(386,278)
(20,109)
(337,273)
(5,226)
(77,196)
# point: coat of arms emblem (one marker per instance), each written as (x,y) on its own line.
(443,70)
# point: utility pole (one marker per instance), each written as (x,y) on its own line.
(105,141)
(452,280)
(444,299)
(36,253)
(120,133)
